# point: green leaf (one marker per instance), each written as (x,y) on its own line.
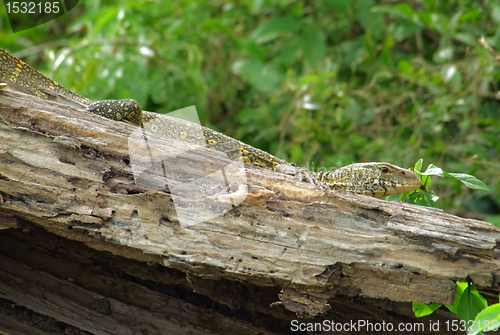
(424,198)
(405,67)
(469,181)
(106,17)
(460,287)
(373,22)
(403,28)
(418,165)
(422,310)
(340,6)
(250,48)
(389,10)
(466,179)
(406,9)
(495,13)
(443,55)
(313,45)
(256,6)
(466,38)
(433,170)
(355,51)
(289,54)
(273,28)
(394,197)
(470,304)
(487,320)
(386,51)
(262,78)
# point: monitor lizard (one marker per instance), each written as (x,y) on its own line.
(373,179)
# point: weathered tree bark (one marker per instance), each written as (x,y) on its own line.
(87,249)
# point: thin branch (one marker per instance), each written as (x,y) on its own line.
(485,45)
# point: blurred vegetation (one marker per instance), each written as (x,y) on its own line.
(320,83)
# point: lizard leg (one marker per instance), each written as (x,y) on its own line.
(118,110)
(302,174)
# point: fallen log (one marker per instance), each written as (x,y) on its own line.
(87,244)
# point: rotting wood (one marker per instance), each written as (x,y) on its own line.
(68,173)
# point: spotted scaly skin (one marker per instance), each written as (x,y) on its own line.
(187,131)
(17,71)
(385,179)
(374,179)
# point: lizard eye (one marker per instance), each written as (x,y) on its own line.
(384,169)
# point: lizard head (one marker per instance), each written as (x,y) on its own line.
(374,179)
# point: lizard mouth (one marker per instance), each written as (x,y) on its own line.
(410,182)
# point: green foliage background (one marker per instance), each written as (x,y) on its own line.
(320,83)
